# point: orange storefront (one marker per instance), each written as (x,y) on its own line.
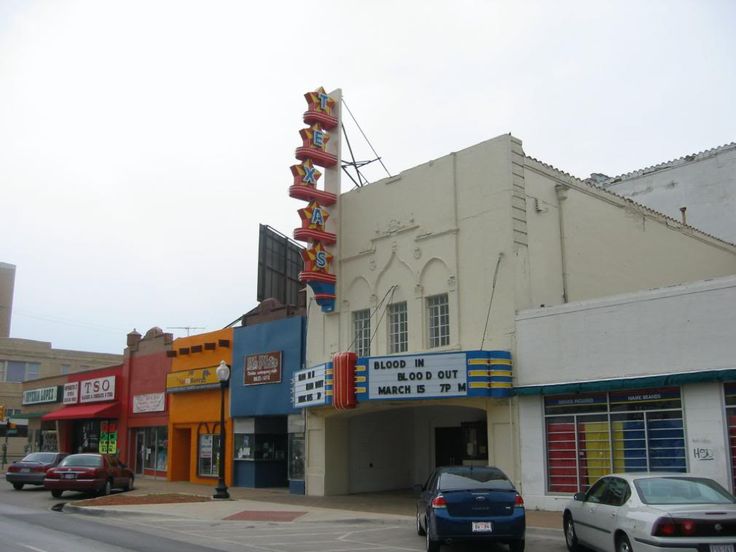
(194,408)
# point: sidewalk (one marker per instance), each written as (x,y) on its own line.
(247,504)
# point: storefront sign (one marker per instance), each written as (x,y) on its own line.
(309,387)
(417,376)
(151,402)
(262,368)
(108,437)
(42,395)
(98,389)
(192,380)
(71,393)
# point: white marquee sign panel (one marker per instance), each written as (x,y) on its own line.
(417,376)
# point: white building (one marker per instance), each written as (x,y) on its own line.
(639,381)
(432,267)
(703,184)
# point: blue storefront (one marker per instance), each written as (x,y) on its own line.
(268,431)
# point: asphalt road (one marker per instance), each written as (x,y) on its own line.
(27,523)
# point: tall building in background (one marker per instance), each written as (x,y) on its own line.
(7,283)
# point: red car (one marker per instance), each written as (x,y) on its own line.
(32,469)
(88,473)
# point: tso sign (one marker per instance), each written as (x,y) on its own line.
(99,389)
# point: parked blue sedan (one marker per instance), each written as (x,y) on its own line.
(470,503)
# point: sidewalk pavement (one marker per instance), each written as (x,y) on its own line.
(248,504)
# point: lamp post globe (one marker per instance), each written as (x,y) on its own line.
(223,376)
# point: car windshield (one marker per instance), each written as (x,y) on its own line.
(470,479)
(40,457)
(86,460)
(682,490)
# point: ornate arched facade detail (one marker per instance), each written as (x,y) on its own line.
(435,277)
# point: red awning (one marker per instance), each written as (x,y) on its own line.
(80,412)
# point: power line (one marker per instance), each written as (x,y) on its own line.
(187,328)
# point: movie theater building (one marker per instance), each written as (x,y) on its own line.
(643,381)
(415,282)
(194,408)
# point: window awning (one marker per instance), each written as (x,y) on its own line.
(664,380)
(81,412)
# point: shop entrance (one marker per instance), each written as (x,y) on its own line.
(140,452)
(448,450)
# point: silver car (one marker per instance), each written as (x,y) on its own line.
(652,512)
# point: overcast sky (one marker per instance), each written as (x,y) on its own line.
(142,142)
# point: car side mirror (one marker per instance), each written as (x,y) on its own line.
(417,488)
(580,497)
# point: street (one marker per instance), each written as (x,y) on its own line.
(27,522)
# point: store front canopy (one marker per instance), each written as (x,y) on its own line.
(642,382)
(81,412)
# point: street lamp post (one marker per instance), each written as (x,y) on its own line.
(223,375)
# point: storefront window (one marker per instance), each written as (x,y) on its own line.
(156,443)
(260,447)
(730,390)
(296,456)
(589,435)
(209,455)
(243,446)
(87,436)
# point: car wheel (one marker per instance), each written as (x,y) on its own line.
(571,539)
(17,486)
(432,545)
(623,544)
(517,545)
(56,493)
(129,486)
(106,489)
(420,531)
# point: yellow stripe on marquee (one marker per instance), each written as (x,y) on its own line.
(360,367)
(360,389)
(328,392)
(489,385)
(328,372)
(490,361)
(360,379)
(479,373)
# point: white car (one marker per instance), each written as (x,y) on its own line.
(652,512)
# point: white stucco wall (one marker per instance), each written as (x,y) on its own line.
(676,329)
(442,227)
(704,183)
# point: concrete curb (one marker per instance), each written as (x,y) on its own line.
(99,512)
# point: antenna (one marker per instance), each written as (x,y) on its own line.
(353,163)
(187,328)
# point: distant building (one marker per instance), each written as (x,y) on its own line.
(7,282)
(22,360)
(699,188)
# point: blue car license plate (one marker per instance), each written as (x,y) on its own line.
(70,476)
(484,527)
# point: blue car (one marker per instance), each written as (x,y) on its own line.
(470,504)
